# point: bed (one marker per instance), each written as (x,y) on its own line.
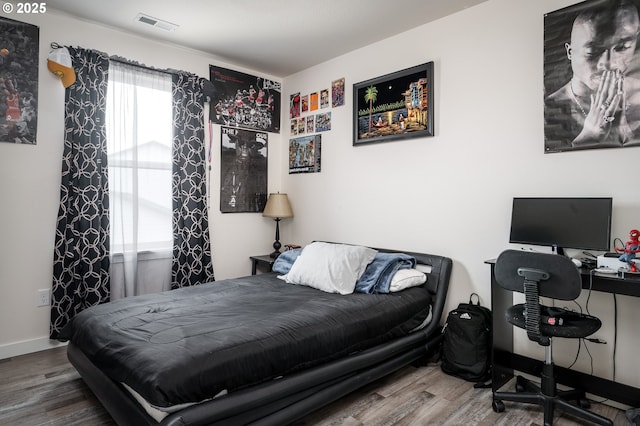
(262,349)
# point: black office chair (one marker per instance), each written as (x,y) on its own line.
(545,275)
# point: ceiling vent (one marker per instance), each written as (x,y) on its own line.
(154,22)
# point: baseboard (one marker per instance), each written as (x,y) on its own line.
(28,346)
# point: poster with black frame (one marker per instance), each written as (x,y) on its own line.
(394,106)
(304,154)
(243,170)
(19,47)
(592,76)
(243,100)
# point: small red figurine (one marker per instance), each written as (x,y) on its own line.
(630,249)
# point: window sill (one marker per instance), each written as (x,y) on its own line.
(144,255)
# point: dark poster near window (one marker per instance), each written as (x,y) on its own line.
(243,100)
(243,170)
(18,81)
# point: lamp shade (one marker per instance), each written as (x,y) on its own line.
(277,206)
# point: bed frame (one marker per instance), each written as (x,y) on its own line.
(283,401)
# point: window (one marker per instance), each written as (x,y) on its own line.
(139,134)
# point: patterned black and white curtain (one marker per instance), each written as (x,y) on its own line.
(191,246)
(81,252)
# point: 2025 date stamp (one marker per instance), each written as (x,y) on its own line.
(25,8)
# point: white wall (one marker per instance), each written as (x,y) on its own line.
(30,184)
(451,194)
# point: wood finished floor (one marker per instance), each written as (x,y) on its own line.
(44,389)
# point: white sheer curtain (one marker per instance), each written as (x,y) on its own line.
(139,134)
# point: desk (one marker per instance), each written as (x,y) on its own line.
(505,361)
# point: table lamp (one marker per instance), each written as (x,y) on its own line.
(277,207)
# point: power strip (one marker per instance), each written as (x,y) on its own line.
(605,270)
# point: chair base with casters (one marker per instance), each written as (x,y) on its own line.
(547,396)
(554,276)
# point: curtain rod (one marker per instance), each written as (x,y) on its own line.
(55,45)
(136,64)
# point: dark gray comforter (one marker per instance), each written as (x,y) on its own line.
(187,345)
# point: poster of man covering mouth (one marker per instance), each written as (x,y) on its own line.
(591,76)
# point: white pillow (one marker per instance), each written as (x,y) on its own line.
(406,278)
(333,268)
(424,268)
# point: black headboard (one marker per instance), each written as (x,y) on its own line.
(437,283)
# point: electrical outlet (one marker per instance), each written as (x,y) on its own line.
(44,297)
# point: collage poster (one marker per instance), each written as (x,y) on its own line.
(304,154)
(243,100)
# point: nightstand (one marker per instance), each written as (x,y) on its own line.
(264,260)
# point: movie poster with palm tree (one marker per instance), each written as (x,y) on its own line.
(394,106)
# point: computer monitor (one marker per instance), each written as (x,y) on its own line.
(576,223)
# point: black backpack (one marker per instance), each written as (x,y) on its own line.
(466,350)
